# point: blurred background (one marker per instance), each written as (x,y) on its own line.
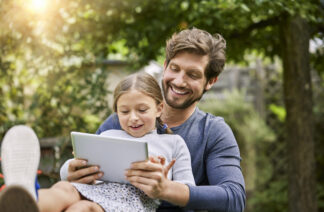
(60,61)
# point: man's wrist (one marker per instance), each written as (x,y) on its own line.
(166,191)
(176,193)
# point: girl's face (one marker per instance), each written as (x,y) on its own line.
(137,113)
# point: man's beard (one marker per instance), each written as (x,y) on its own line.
(187,103)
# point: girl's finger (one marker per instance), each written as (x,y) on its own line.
(147,166)
(157,176)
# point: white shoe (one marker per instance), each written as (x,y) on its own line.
(20,154)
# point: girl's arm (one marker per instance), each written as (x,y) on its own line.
(74,170)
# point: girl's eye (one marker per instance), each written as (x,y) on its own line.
(124,112)
(142,110)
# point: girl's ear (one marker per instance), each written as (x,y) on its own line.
(159,108)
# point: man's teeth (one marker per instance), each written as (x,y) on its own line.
(178,91)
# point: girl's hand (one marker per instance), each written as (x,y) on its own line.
(150,176)
(80,172)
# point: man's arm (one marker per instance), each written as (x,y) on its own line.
(225,191)
(227,196)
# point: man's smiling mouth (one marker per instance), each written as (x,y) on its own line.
(177,91)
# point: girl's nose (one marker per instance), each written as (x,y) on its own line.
(133,116)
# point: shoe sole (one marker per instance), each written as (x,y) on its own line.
(20,154)
(17,199)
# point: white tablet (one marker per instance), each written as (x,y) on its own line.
(114,155)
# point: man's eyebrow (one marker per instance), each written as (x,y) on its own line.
(173,64)
(195,71)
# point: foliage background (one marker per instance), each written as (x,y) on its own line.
(52,75)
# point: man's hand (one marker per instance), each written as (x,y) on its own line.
(80,172)
(150,176)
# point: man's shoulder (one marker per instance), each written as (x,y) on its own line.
(111,122)
(209,118)
(214,125)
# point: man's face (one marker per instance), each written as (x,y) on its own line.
(184,80)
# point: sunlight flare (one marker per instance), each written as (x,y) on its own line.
(38,6)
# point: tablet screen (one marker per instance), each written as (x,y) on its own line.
(114,155)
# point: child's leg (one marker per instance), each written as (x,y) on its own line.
(16,198)
(84,206)
(57,198)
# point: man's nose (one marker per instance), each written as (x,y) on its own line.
(179,79)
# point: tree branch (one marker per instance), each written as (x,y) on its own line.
(259,25)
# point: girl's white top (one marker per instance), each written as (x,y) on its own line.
(170,146)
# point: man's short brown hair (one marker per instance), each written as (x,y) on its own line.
(199,42)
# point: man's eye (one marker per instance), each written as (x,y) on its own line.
(193,76)
(173,68)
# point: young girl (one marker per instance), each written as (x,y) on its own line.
(138,104)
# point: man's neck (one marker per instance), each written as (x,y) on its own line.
(174,117)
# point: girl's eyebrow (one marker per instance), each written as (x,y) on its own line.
(119,106)
(137,105)
(142,104)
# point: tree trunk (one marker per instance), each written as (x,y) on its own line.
(299,119)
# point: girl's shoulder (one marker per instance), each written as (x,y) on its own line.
(170,137)
(117,133)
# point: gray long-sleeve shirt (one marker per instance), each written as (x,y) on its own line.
(215,160)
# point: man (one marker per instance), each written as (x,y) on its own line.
(194,59)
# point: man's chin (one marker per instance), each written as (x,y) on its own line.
(179,105)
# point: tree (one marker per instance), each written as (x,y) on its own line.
(299,120)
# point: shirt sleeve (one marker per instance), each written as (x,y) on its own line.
(181,170)
(226,189)
(111,122)
(64,169)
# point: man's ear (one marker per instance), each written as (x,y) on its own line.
(210,83)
